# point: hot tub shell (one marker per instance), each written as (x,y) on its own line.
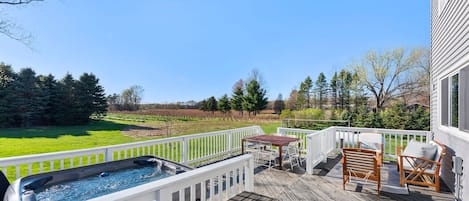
(23,189)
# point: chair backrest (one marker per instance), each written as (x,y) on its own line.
(362,162)
(441,150)
(294,147)
(264,145)
(4,183)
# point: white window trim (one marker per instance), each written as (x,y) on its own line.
(440,88)
(456,132)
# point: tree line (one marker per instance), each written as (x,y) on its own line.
(388,89)
(128,100)
(247,96)
(27,99)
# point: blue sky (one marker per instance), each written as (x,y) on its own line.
(191,50)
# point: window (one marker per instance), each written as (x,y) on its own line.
(464,99)
(455,100)
(450,101)
(444,102)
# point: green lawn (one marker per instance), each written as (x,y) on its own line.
(16,142)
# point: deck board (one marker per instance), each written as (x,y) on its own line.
(298,185)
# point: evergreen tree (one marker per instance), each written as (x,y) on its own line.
(374,120)
(29,98)
(419,119)
(255,99)
(334,90)
(279,104)
(304,94)
(7,95)
(203,105)
(212,104)
(396,116)
(67,102)
(224,104)
(238,96)
(344,82)
(321,88)
(90,98)
(49,89)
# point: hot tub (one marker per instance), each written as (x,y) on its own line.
(92,181)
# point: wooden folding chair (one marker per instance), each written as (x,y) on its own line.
(361,163)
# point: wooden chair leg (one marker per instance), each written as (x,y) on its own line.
(344,180)
(401,177)
(379,186)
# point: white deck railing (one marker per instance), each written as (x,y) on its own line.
(320,144)
(390,137)
(296,132)
(219,181)
(191,150)
(207,147)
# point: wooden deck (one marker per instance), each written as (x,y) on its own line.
(277,184)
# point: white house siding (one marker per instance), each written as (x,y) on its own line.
(449,54)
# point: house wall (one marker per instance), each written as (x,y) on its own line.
(449,54)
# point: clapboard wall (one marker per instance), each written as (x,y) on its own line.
(449,55)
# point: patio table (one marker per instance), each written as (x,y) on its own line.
(276,140)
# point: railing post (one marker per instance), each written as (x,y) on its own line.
(164,194)
(309,155)
(230,143)
(249,183)
(184,151)
(324,147)
(108,155)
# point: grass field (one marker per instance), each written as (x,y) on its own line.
(117,130)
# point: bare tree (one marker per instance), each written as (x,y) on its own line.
(11,29)
(414,86)
(291,102)
(132,97)
(18,2)
(382,73)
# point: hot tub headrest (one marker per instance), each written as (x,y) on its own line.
(37,183)
(146,161)
(4,183)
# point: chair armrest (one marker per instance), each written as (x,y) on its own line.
(399,149)
(421,159)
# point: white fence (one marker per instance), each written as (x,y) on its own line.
(219,181)
(320,144)
(191,150)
